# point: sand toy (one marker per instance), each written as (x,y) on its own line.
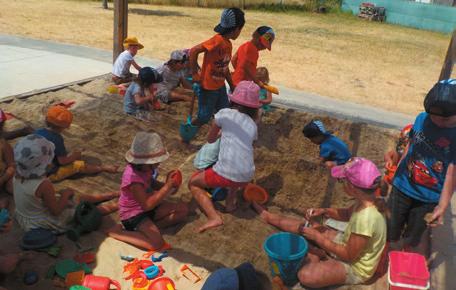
(189,274)
(99,283)
(87,218)
(153,272)
(187,131)
(162,283)
(271,89)
(74,278)
(255,193)
(160,257)
(4,216)
(177,178)
(38,239)
(30,278)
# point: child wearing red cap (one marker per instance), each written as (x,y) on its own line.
(234,168)
(64,165)
(358,250)
(215,69)
(246,58)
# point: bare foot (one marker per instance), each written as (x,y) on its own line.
(260,210)
(110,168)
(108,207)
(212,223)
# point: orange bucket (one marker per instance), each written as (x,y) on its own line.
(162,283)
(255,193)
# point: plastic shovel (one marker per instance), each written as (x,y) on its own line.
(271,89)
(187,131)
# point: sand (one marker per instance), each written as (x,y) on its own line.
(286,166)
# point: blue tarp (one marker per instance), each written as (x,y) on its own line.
(408,13)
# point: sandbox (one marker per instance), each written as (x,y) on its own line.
(286,166)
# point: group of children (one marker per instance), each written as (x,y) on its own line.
(423,182)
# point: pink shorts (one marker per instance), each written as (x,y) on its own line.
(214,180)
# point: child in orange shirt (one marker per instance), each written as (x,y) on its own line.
(214,71)
(246,58)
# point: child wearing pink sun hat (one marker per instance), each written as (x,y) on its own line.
(354,254)
(234,168)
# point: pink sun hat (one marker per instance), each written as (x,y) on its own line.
(246,93)
(359,171)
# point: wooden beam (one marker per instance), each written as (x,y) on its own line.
(450,59)
(120,26)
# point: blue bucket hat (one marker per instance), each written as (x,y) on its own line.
(315,128)
(243,277)
(441,99)
(231,18)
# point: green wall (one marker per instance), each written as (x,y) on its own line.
(419,15)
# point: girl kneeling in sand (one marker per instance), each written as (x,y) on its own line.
(234,167)
(358,249)
(37,204)
(142,206)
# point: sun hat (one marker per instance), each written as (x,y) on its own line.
(129,41)
(149,75)
(243,277)
(230,19)
(147,148)
(441,99)
(315,128)
(179,55)
(246,93)
(59,116)
(358,171)
(33,154)
(267,36)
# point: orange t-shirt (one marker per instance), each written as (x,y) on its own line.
(247,58)
(215,62)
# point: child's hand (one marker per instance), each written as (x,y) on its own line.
(315,212)
(311,233)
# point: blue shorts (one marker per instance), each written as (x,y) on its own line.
(210,102)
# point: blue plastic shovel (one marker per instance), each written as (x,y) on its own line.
(187,131)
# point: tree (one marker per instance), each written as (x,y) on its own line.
(105,4)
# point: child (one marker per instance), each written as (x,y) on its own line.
(173,74)
(140,97)
(262,75)
(64,165)
(215,69)
(246,58)
(425,179)
(142,204)
(37,204)
(234,167)
(333,151)
(121,69)
(360,248)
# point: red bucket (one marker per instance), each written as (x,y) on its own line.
(99,283)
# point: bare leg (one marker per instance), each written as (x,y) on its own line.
(108,208)
(93,169)
(318,274)
(180,95)
(168,214)
(100,197)
(146,237)
(282,222)
(231,200)
(196,186)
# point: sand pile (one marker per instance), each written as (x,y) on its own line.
(287,167)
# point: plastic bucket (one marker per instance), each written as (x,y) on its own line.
(407,271)
(286,252)
(99,283)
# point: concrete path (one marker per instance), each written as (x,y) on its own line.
(36,64)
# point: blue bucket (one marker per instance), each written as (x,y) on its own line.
(286,252)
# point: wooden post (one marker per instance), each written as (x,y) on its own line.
(120,26)
(450,59)
(105,4)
